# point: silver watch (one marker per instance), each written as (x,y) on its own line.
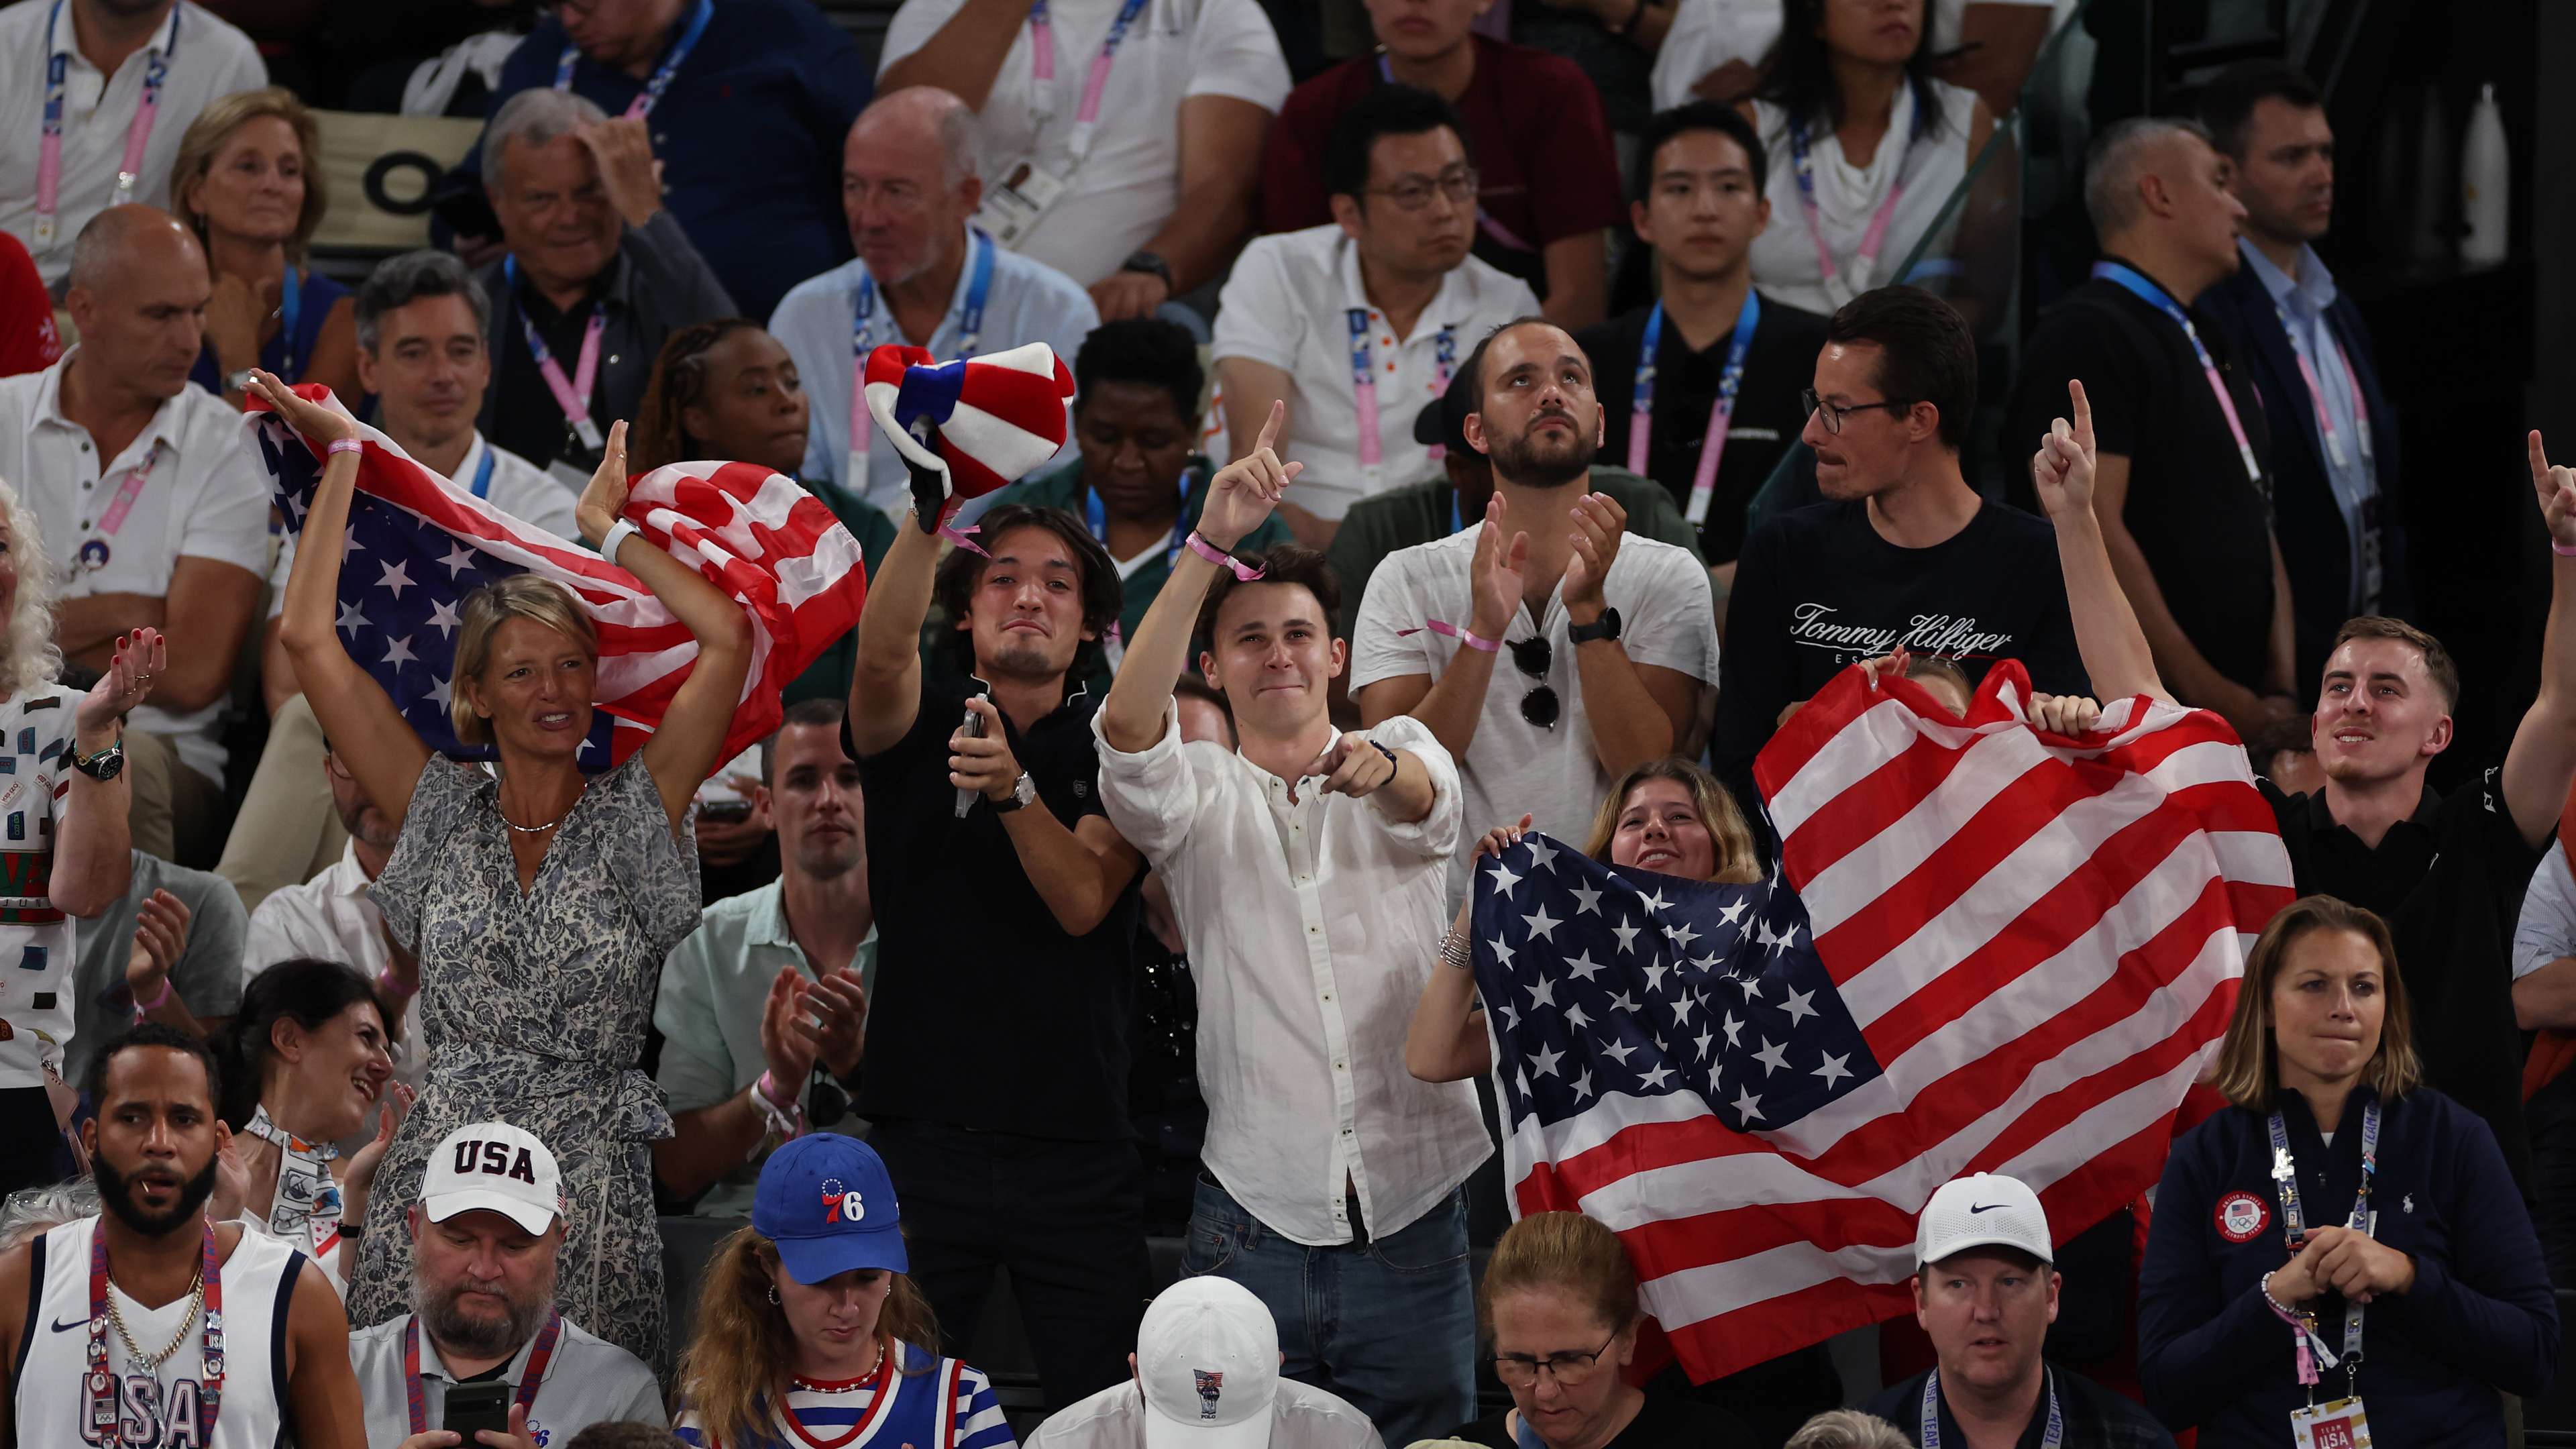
(1024,791)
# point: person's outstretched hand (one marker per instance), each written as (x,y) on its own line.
(321,424)
(140,658)
(2556,488)
(2062,469)
(605,498)
(1242,495)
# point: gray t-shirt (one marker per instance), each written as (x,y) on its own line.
(586,1382)
(209,974)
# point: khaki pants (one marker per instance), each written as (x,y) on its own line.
(287,832)
(177,814)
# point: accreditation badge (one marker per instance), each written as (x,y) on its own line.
(2339,1425)
(1011,208)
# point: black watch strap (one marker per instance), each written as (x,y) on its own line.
(1605,627)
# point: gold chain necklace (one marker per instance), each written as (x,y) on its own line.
(152,1362)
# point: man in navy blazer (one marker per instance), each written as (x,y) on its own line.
(2334,457)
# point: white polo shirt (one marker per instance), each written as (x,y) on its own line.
(1289,303)
(1513,766)
(1706,34)
(1029,301)
(516,486)
(1127,185)
(206,59)
(201,494)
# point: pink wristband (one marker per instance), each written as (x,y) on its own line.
(768,1089)
(346,445)
(386,983)
(1243,572)
(2560,549)
(142,1006)
(1452,631)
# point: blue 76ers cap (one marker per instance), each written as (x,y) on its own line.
(827,1203)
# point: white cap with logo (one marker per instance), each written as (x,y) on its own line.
(495,1167)
(1207,1355)
(1984,1210)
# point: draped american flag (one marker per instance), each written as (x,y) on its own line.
(416,546)
(1986,949)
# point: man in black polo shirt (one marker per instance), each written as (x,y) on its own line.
(1696,199)
(2186,503)
(2446,874)
(996,1077)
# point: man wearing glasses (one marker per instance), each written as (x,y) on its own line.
(1902,554)
(1357,324)
(1550,650)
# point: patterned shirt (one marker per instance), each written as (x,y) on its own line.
(36,942)
(820,1414)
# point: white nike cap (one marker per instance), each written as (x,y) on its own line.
(493,1166)
(1207,1356)
(1984,1210)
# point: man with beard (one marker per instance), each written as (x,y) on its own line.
(1611,638)
(764,1004)
(1006,908)
(150,1324)
(484,1238)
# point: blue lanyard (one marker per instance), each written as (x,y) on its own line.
(1098,517)
(290,307)
(1930,1438)
(1457,524)
(483,474)
(970,320)
(643,104)
(2130,280)
(2294,1227)
(1721,413)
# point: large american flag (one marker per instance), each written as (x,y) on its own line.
(417,546)
(1985,950)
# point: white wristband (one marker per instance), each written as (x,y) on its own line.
(617,534)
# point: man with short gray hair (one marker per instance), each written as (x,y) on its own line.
(596,276)
(922,278)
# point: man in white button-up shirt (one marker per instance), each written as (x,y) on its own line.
(1307,868)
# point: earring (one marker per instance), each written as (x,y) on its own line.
(773,1293)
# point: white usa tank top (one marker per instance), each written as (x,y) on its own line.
(258,1284)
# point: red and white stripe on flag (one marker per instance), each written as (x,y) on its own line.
(2040,939)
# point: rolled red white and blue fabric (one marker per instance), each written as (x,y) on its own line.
(968,427)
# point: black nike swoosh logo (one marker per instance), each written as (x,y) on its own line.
(1989,1207)
(60,1327)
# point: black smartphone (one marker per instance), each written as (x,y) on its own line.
(477,1406)
(730,811)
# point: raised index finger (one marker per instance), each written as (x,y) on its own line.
(2539,459)
(1270,429)
(2083,414)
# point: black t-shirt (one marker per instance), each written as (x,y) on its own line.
(1662,1422)
(987,1015)
(2204,527)
(1777,367)
(1818,589)
(2094,1417)
(2449,881)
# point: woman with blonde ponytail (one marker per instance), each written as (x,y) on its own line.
(809,1329)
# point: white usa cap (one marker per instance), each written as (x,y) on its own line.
(493,1166)
(1985,1210)
(1207,1355)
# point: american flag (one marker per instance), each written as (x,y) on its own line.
(1986,949)
(417,546)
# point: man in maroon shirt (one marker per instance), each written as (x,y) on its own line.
(1550,187)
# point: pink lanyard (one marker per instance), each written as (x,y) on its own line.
(138,135)
(95,549)
(571,395)
(1364,387)
(1864,269)
(2317,391)
(1042,66)
(2137,284)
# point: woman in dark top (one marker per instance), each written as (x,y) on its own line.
(248,182)
(2339,1193)
(1559,1305)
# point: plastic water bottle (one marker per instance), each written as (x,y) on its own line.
(2485,184)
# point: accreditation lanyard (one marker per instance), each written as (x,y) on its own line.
(1721,413)
(2131,280)
(138,134)
(483,474)
(863,340)
(290,308)
(2285,1174)
(96,549)
(660,80)
(1864,268)
(104,1421)
(1098,517)
(572,394)
(1042,69)
(1930,1438)
(1364,389)
(2317,391)
(415,1400)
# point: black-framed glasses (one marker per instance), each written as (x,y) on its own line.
(1834,413)
(1458,183)
(1520,1370)
(1532,656)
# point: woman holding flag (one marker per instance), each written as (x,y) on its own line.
(539,903)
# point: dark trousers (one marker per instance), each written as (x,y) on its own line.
(32,1150)
(1067,1219)
(2550,1116)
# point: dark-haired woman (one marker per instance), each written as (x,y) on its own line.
(306,1062)
(1865,145)
(2341,1232)
(809,1328)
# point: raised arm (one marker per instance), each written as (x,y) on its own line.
(885,685)
(1452,703)
(357,716)
(2542,758)
(93,848)
(1446,1041)
(2115,650)
(1638,711)
(690,740)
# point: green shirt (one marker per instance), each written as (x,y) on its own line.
(1403,517)
(714,987)
(828,677)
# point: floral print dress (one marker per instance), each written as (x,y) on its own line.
(533,1010)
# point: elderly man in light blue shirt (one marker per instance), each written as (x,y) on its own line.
(922,278)
(761,1010)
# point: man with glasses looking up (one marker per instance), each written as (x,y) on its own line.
(1902,554)
(1357,324)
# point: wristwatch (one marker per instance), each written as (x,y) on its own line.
(1605,627)
(104,766)
(1023,790)
(1151,265)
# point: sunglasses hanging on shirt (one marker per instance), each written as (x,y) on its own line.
(1532,656)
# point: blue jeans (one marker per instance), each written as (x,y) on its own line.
(1389,1324)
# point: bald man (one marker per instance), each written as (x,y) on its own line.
(2183,490)
(153,509)
(921,278)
